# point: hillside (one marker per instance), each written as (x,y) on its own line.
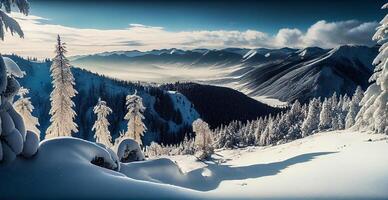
(167,120)
(221,105)
(311,72)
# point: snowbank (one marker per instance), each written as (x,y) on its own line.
(62,169)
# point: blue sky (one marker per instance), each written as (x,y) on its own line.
(188,15)
(91,26)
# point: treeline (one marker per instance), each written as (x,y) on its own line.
(334,113)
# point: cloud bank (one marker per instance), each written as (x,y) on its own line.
(40,37)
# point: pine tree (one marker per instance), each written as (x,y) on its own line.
(325,117)
(101,125)
(294,120)
(310,124)
(136,127)
(229,136)
(373,114)
(259,130)
(354,107)
(268,133)
(251,138)
(24,107)
(282,126)
(8,23)
(62,113)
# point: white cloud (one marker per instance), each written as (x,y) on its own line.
(40,37)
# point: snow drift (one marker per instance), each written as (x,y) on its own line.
(62,169)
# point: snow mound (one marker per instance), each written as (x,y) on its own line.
(161,170)
(128,150)
(62,169)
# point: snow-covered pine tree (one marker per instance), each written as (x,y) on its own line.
(136,127)
(251,138)
(8,23)
(334,102)
(265,138)
(354,107)
(374,111)
(345,103)
(62,113)
(24,107)
(229,136)
(310,124)
(101,125)
(245,133)
(294,120)
(325,117)
(203,139)
(260,126)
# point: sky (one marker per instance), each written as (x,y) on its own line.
(90,26)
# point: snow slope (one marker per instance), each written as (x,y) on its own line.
(331,165)
(327,165)
(62,170)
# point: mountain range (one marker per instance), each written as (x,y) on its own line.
(284,74)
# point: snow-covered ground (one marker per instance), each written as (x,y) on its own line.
(338,164)
(331,165)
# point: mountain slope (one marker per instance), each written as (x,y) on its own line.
(221,105)
(285,74)
(311,73)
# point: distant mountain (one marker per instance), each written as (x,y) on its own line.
(169,114)
(182,58)
(285,74)
(311,72)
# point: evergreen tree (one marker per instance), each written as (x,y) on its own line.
(8,23)
(24,107)
(101,125)
(259,130)
(354,107)
(294,120)
(62,113)
(136,127)
(251,138)
(325,117)
(373,114)
(310,124)
(265,138)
